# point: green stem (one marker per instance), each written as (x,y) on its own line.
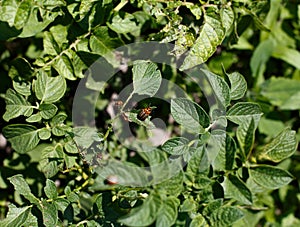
(120,5)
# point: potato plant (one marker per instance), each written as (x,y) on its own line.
(149,113)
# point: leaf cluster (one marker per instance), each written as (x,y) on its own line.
(230,157)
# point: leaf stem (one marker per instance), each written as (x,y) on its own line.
(120,5)
(210,126)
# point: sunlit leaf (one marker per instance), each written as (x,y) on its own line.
(47,111)
(176,146)
(281,147)
(146,78)
(49,89)
(50,213)
(50,189)
(219,87)
(226,155)
(211,35)
(239,113)
(235,188)
(16,105)
(245,135)
(270,177)
(226,216)
(189,114)
(22,187)
(64,67)
(22,137)
(145,214)
(17,216)
(52,160)
(238,86)
(168,212)
(282,92)
(124,25)
(44,133)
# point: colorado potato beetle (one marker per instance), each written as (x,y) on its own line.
(144,113)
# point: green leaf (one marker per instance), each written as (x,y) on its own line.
(63,65)
(270,127)
(211,35)
(146,78)
(15,13)
(124,25)
(50,214)
(282,92)
(55,40)
(125,172)
(238,85)
(58,119)
(49,89)
(154,157)
(251,219)
(168,212)
(281,147)
(172,177)
(16,216)
(188,205)
(70,161)
(22,87)
(225,158)
(236,189)
(199,162)
(34,23)
(212,206)
(58,126)
(226,216)
(34,118)
(198,221)
(219,87)
(22,13)
(16,105)
(50,189)
(288,55)
(44,133)
(22,137)
(71,147)
(195,10)
(245,135)
(189,114)
(50,45)
(216,152)
(227,17)
(86,136)
(22,188)
(145,214)
(241,112)
(60,34)
(52,160)
(47,111)
(102,43)
(270,177)
(62,204)
(260,57)
(201,182)
(71,195)
(176,146)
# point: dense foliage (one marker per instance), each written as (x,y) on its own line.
(149,113)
